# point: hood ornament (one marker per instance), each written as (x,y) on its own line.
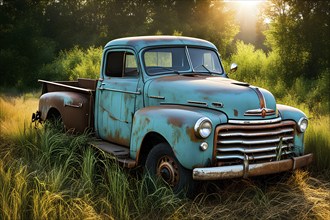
(263,111)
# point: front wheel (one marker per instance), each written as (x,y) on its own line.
(162,162)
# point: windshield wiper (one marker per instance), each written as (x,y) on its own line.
(202,65)
(207,69)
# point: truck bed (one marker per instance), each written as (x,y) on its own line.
(72,101)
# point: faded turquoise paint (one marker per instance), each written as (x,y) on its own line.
(139,43)
(291,113)
(116,108)
(235,96)
(176,124)
(170,105)
(115,103)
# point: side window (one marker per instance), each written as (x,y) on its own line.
(121,64)
(130,65)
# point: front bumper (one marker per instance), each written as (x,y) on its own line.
(247,170)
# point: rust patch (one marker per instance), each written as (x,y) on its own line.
(116,138)
(261,98)
(191,134)
(147,120)
(176,121)
(235,112)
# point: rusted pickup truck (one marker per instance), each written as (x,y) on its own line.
(166,103)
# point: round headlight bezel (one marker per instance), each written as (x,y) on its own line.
(203,127)
(302,124)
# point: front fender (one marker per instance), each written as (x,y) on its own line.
(73,107)
(176,125)
(291,113)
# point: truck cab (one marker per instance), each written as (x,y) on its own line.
(167,102)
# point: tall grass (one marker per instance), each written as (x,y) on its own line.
(317,141)
(47,174)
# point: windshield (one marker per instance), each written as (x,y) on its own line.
(175,60)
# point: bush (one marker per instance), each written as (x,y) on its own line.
(267,71)
(73,64)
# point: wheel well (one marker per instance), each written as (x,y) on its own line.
(149,141)
(53,113)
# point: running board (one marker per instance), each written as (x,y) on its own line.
(119,152)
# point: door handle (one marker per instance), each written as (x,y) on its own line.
(101,86)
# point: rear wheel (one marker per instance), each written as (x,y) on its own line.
(162,162)
(54,120)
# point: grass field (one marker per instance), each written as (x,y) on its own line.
(46,174)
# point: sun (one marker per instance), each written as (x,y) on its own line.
(246,3)
(248,7)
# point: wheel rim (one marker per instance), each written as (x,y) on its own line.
(168,170)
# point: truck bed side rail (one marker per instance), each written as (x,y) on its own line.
(82,85)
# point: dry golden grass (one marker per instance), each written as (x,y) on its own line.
(50,181)
(15,113)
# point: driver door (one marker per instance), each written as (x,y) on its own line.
(116,96)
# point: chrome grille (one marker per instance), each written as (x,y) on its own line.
(256,143)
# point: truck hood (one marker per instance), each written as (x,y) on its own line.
(236,99)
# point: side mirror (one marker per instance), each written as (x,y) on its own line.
(233,67)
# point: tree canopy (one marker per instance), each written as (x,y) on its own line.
(35,35)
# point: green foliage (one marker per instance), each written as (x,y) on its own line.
(73,64)
(251,62)
(266,70)
(36,36)
(21,57)
(298,32)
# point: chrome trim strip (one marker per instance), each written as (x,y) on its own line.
(197,102)
(251,157)
(268,121)
(74,106)
(269,140)
(156,97)
(259,111)
(66,86)
(217,104)
(123,91)
(255,134)
(251,150)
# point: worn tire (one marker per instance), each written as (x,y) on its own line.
(162,162)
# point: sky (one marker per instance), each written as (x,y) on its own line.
(247,16)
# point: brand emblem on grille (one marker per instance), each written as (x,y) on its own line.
(263,112)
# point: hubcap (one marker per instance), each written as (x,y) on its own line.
(168,170)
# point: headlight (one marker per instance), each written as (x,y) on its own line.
(203,127)
(302,124)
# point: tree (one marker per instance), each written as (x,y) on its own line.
(299,32)
(24,49)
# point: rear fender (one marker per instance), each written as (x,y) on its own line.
(74,108)
(176,125)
